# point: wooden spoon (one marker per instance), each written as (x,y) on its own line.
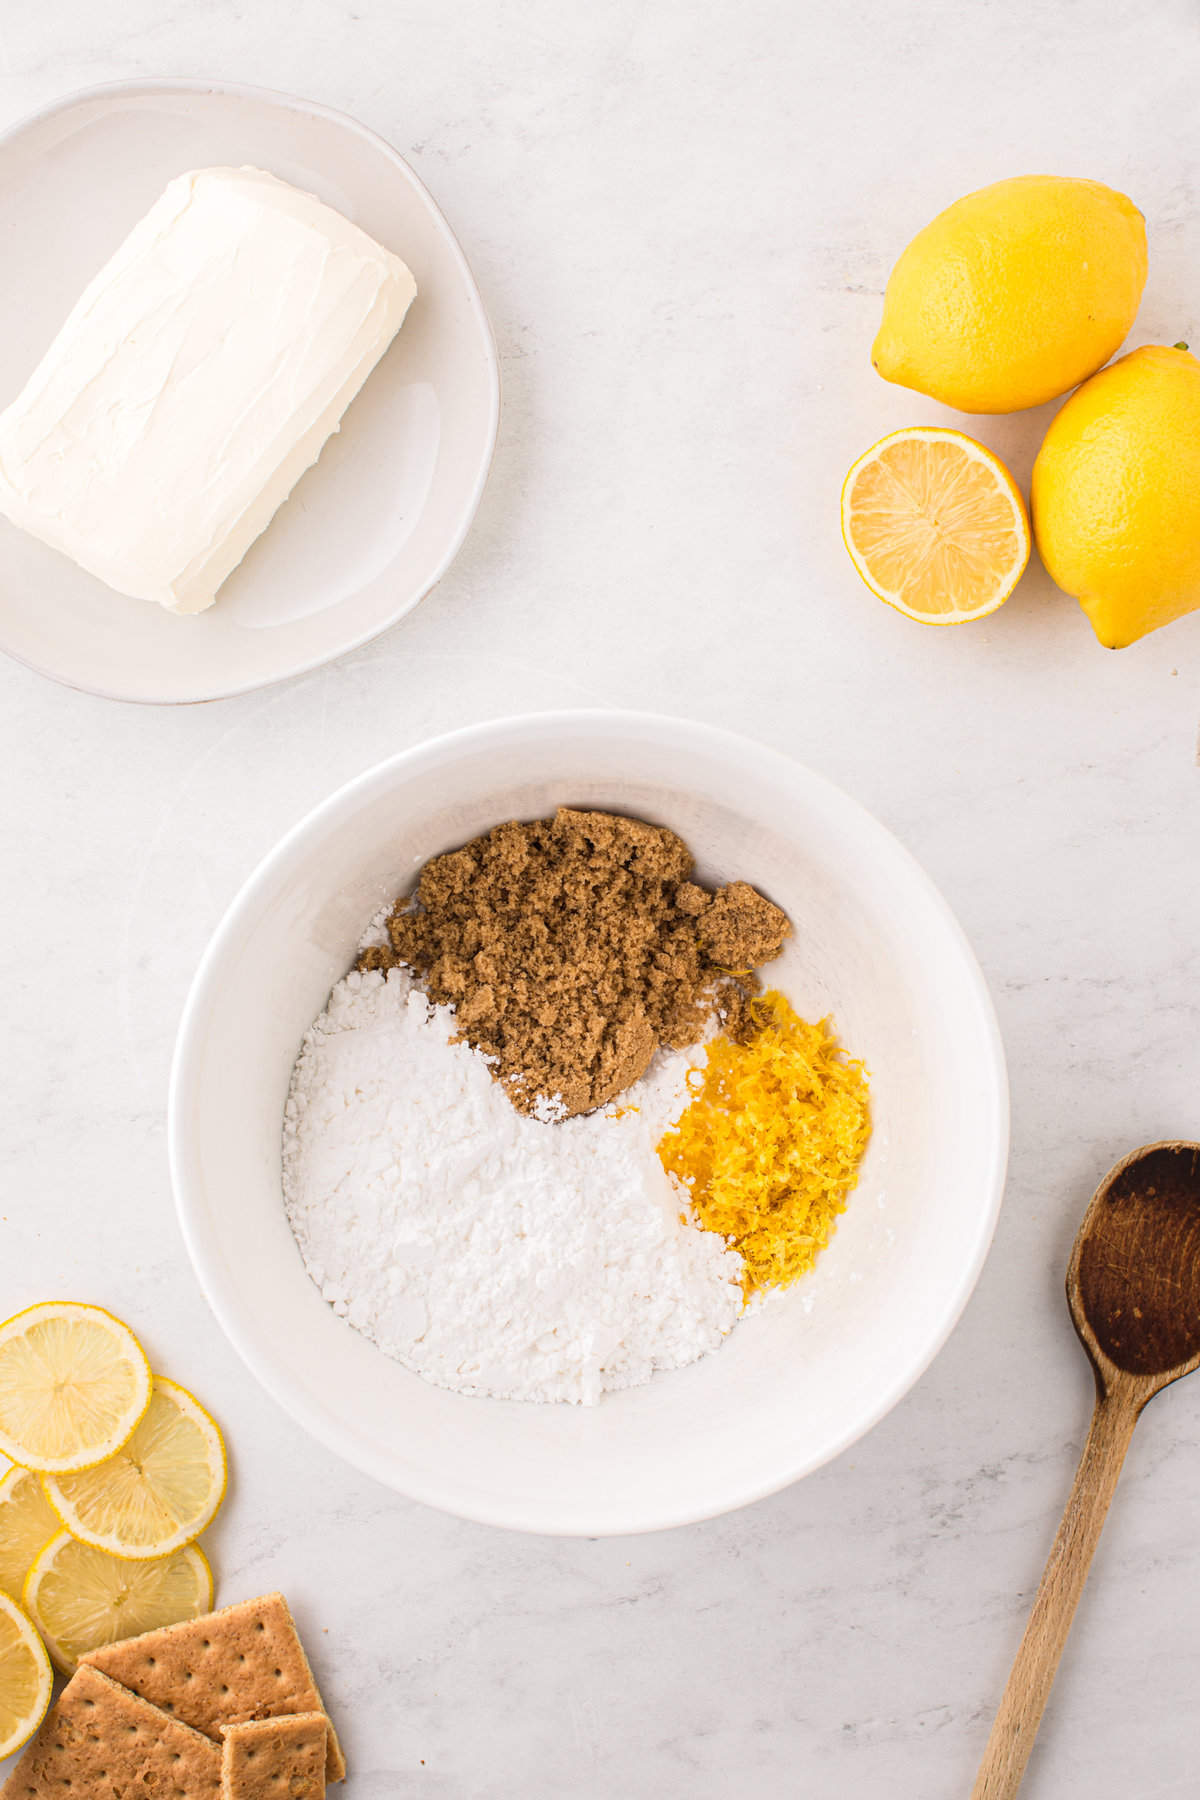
(1133,1287)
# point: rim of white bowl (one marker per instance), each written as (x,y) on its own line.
(207,1262)
(245,90)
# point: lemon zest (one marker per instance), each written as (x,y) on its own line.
(768,1148)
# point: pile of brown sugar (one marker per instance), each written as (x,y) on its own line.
(573,947)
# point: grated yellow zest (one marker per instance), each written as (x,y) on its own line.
(769,1147)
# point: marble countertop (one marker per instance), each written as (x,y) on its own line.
(681,220)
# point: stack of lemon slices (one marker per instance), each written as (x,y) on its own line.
(117,1472)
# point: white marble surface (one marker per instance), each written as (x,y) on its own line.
(681,219)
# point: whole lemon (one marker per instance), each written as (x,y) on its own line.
(1116,494)
(1014,294)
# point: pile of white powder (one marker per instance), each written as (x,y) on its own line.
(491,1252)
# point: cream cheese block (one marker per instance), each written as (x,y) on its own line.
(197,378)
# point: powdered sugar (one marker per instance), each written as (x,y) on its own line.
(491,1252)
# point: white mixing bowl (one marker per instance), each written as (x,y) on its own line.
(874,944)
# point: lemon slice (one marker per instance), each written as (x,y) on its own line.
(74,1382)
(26,1678)
(158,1492)
(27,1523)
(80,1598)
(935,525)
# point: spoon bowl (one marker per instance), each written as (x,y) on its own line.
(1133,1284)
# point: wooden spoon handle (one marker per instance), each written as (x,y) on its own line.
(1066,1570)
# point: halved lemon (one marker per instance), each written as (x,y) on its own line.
(81,1598)
(27,1523)
(161,1488)
(935,525)
(26,1678)
(74,1382)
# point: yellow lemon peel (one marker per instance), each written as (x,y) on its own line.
(769,1146)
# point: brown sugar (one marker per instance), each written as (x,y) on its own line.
(573,947)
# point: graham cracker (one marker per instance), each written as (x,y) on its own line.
(243,1662)
(104,1742)
(275,1759)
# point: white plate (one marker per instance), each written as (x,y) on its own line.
(375,524)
